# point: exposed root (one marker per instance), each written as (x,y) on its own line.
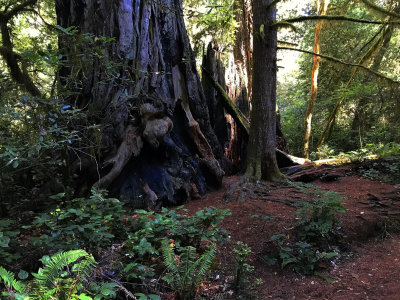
(131,146)
(246,188)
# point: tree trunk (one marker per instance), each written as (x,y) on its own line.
(322,6)
(261,157)
(238,77)
(155,128)
(220,121)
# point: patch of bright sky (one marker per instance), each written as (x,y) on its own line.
(288,60)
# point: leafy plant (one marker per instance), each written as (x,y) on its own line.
(317,221)
(302,258)
(13,286)
(185,270)
(8,240)
(90,223)
(385,170)
(150,229)
(242,272)
(63,276)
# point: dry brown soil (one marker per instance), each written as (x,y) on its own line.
(369,269)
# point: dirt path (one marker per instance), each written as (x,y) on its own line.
(369,270)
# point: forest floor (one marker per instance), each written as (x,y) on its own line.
(369,262)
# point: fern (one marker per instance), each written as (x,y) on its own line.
(46,277)
(10,282)
(201,266)
(185,272)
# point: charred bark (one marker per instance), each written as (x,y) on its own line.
(152,110)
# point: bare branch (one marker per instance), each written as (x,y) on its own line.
(336,60)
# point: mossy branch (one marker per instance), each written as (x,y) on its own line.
(379,9)
(336,60)
(284,24)
(20,8)
(332,18)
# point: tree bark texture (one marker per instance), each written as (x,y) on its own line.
(155,127)
(261,157)
(239,76)
(322,7)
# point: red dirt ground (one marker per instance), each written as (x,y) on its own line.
(370,270)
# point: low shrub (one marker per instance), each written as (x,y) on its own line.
(81,223)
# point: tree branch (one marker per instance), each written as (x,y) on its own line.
(379,9)
(331,18)
(18,8)
(11,58)
(336,60)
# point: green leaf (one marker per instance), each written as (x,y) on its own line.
(141,296)
(106,292)
(277,237)
(21,297)
(15,164)
(23,274)
(84,297)
(287,261)
(270,261)
(4,240)
(330,255)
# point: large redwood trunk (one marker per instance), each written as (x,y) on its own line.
(155,129)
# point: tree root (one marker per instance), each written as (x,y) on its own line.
(245,189)
(131,146)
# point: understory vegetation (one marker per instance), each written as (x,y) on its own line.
(148,254)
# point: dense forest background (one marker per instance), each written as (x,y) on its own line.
(154,102)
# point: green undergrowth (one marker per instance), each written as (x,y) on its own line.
(151,253)
(317,229)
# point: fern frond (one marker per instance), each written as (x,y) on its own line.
(10,281)
(202,265)
(85,268)
(47,276)
(169,259)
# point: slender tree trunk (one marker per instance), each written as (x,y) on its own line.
(322,6)
(146,95)
(261,157)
